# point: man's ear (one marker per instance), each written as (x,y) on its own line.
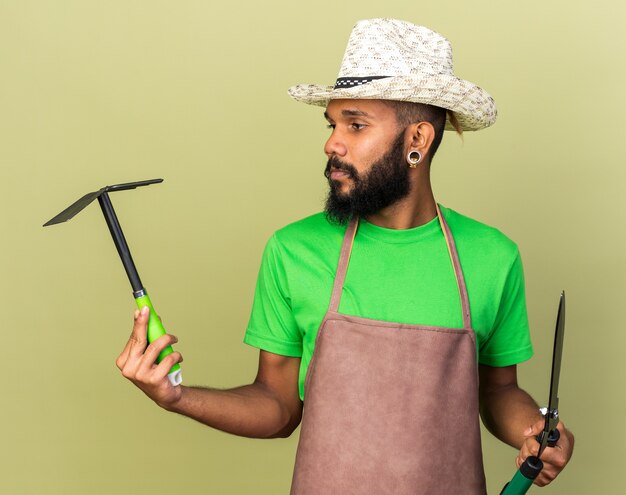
(420,136)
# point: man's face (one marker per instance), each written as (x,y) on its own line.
(366,169)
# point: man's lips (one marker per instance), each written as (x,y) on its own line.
(337,174)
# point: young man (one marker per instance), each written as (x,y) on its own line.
(387,317)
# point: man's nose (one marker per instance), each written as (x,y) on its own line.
(335,145)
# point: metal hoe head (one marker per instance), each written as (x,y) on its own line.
(111,218)
(76,207)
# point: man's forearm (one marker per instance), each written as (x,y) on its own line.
(249,411)
(508,412)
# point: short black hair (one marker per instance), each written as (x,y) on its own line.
(408,112)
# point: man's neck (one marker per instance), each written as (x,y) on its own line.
(418,208)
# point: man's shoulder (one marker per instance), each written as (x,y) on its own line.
(314,226)
(480,236)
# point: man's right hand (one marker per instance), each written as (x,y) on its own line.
(137,362)
(269,407)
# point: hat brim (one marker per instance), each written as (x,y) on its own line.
(473,107)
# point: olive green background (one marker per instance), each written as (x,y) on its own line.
(95,93)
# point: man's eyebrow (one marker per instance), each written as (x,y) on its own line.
(349,113)
(354,113)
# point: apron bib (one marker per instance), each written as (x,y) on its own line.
(390,408)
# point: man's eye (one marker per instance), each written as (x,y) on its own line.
(357,127)
(330,126)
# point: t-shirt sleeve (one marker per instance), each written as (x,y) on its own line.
(272,326)
(509,342)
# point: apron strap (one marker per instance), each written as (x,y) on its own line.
(342,268)
(344,258)
(460,279)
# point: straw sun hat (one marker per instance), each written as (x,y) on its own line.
(389,59)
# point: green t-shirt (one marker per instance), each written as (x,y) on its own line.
(403,276)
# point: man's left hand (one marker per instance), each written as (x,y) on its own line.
(554,458)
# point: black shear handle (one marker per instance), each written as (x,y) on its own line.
(553,437)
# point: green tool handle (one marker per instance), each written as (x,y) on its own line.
(156,330)
(523,479)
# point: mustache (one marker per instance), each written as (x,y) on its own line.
(335,163)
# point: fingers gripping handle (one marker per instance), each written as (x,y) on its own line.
(155,330)
(530,469)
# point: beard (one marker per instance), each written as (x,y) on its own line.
(386,183)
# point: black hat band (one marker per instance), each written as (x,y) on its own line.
(350,82)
